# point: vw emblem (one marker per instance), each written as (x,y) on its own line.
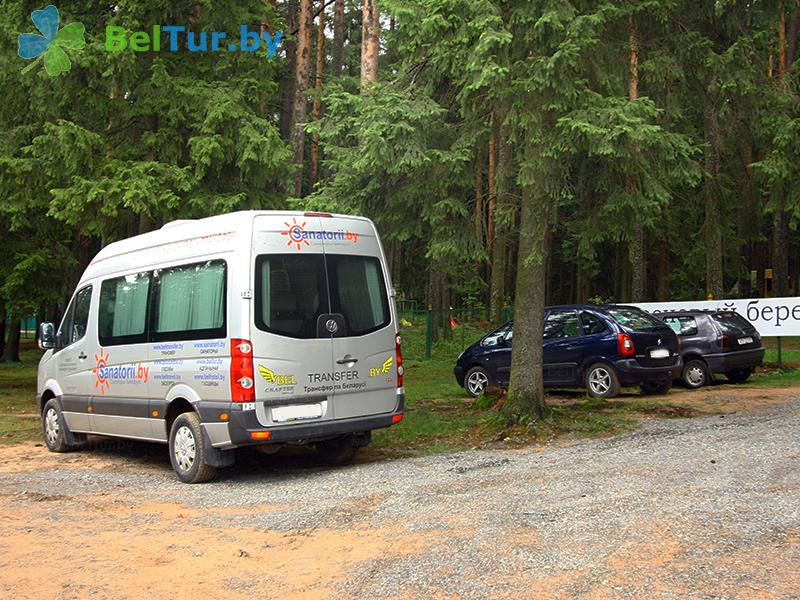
(331,325)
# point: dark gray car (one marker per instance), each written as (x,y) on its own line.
(715,342)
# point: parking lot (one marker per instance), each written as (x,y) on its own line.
(707,506)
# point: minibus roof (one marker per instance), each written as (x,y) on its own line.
(219,231)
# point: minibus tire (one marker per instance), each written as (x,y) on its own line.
(337,451)
(187,455)
(54,429)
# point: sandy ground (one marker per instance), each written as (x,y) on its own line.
(701,507)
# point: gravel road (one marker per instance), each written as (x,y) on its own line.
(705,507)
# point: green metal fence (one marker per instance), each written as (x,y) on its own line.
(430,334)
(27,327)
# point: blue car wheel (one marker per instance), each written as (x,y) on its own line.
(476,381)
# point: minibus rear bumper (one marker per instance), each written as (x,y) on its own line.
(243,428)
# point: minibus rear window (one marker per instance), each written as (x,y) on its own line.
(358,292)
(290,294)
(293,290)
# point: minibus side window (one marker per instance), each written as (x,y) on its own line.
(83,300)
(63,335)
(122,313)
(190,302)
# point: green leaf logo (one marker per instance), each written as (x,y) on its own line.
(49,46)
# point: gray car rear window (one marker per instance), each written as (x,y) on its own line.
(683,325)
(733,323)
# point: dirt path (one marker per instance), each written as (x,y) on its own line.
(706,506)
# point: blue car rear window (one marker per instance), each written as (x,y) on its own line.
(635,319)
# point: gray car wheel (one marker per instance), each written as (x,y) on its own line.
(695,374)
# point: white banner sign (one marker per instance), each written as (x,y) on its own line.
(779,317)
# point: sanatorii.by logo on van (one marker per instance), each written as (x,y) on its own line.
(299,236)
(126,373)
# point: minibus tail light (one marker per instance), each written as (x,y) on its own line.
(625,344)
(399,359)
(242,377)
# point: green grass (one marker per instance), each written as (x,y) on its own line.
(790,351)
(776,378)
(18,422)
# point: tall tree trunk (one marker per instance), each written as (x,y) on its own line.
(500,205)
(490,201)
(792,39)
(526,392)
(288,82)
(338,38)
(780,252)
(316,110)
(637,248)
(663,271)
(780,222)
(3,316)
(435,297)
(616,282)
(12,341)
(795,291)
(302,74)
(370,41)
(479,199)
(782,44)
(491,191)
(713,231)
(638,262)
(145,224)
(625,274)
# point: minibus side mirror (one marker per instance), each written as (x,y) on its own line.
(47,336)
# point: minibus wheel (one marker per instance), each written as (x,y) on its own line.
(54,429)
(337,451)
(187,450)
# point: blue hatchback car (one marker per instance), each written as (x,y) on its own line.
(601,348)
